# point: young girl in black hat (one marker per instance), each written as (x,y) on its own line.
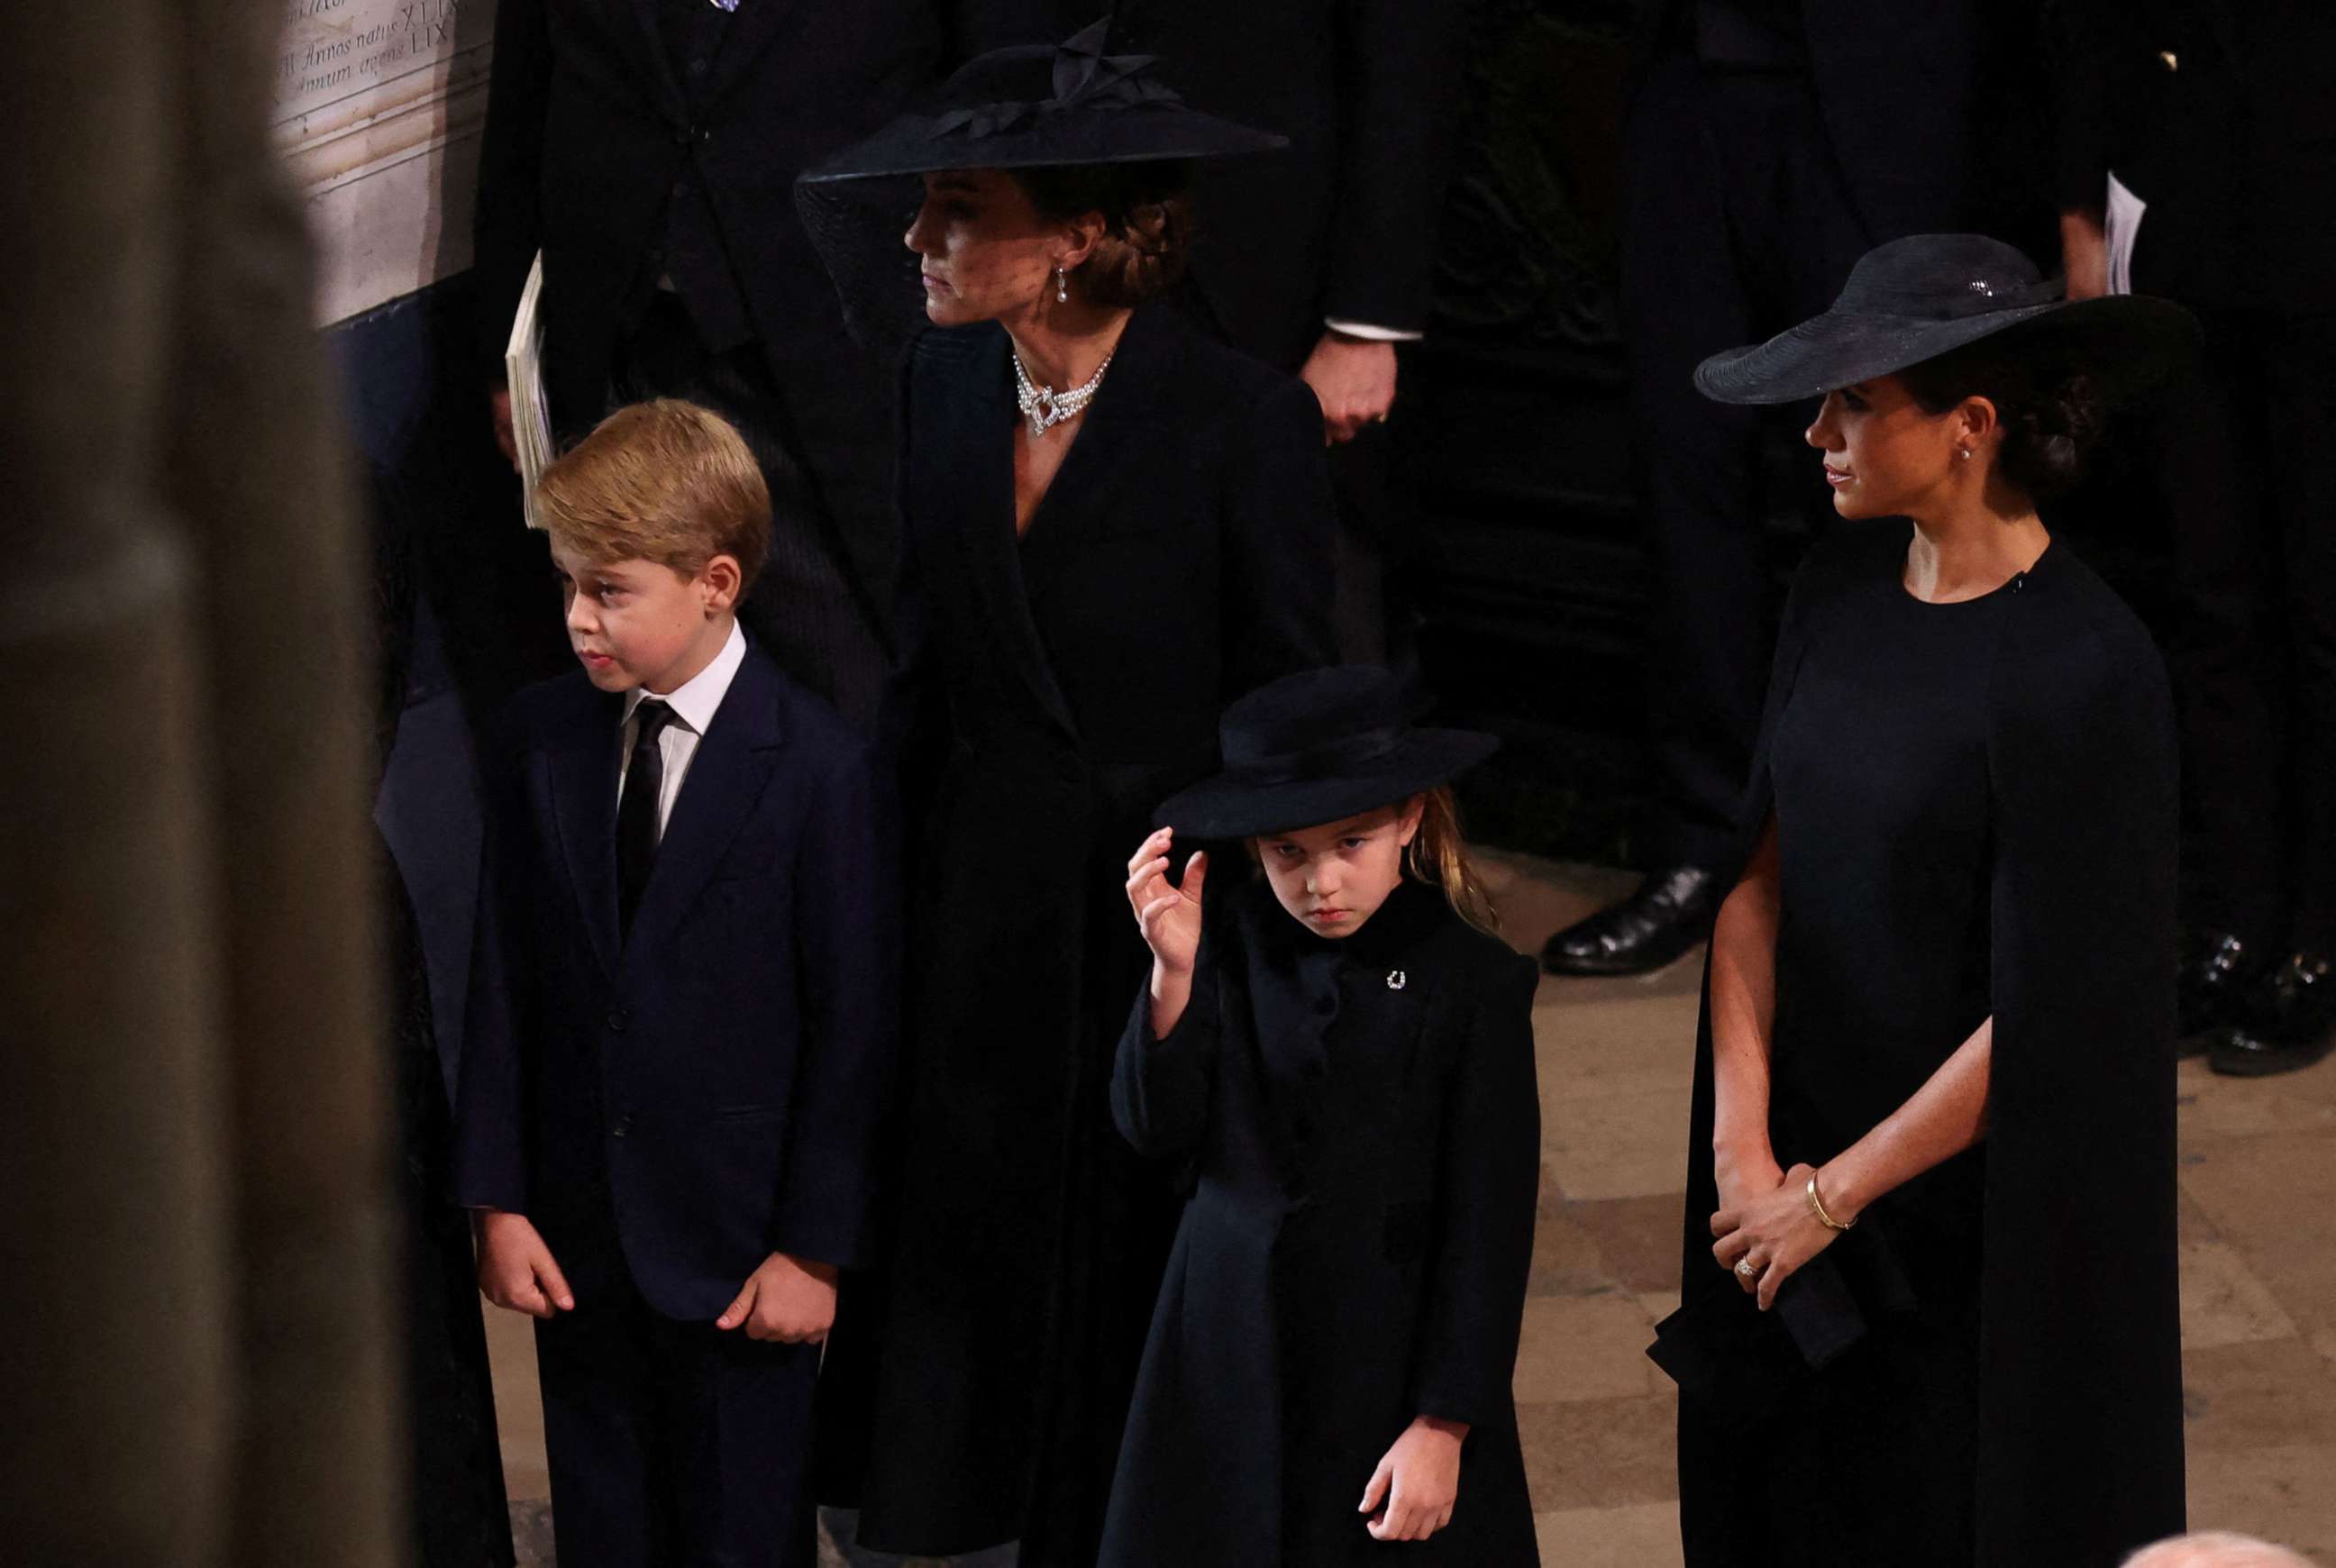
(1342,1055)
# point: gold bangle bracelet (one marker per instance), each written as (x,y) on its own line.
(1816,1207)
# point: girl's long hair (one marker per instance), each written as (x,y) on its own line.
(1438,856)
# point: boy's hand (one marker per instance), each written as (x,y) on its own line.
(516,1270)
(1169,916)
(1419,1481)
(789,1299)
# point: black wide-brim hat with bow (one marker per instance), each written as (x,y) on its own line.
(1916,298)
(1317,748)
(1036,106)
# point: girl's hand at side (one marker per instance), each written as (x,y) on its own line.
(1776,1230)
(1418,1482)
(1169,916)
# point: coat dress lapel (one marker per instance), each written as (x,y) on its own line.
(726,774)
(580,780)
(978,462)
(1125,416)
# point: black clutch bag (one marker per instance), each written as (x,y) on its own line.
(1720,1345)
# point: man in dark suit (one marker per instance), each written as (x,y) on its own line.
(1770,144)
(682,1018)
(650,148)
(2217,116)
(1318,259)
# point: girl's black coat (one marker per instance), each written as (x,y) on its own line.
(1064,684)
(1362,1120)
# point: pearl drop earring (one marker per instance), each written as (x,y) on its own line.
(1062,286)
(1964,452)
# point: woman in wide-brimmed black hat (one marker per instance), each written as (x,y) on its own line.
(1934,1095)
(1342,1051)
(1114,525)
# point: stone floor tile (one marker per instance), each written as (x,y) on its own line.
(1639,1238)
(1566,1260)
(1578,1347)
(2222,1303)
(1626,1145)
(1590,1048)
(2269,1394)
(2213,1106)
(519,1409)
(1642,1535)
(1601,1453)
(2286,1494)
(2270,1198)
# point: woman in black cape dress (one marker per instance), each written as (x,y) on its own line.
(1969,811)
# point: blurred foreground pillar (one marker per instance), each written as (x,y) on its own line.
(196,1332)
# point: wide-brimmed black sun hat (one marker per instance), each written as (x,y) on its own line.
(1317,748)
(1044,106)
(1031,106)
(1917,298)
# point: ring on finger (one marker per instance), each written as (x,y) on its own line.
(1746,1268)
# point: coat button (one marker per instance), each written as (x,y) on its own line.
(623,1125)
(617,1019)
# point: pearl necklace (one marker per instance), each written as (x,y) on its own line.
(1045,407)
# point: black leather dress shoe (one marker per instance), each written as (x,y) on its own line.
(2287,1021)
(1671,911)
(2217,969)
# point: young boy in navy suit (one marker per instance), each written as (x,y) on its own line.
(681,1021)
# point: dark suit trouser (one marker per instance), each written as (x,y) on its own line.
(1736,225)
(671,1444)
(2250,471)
(809,607)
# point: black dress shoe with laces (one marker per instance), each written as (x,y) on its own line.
(2287,1021)
(2217,969)
(1670,912)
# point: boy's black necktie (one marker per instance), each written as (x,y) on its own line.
(637,810)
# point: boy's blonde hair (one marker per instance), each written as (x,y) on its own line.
(663,481)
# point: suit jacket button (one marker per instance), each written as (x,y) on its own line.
(623,1125)
(617,1019)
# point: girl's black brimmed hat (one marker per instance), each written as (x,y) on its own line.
(1917,298)
(1044,105)
(1317,748)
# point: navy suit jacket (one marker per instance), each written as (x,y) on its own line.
(711,1086)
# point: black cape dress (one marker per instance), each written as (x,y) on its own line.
(1975,810)
(1361,1119)
(1066,683)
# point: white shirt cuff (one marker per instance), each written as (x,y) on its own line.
(1376,333)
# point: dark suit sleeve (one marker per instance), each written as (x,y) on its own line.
(2080,1367)
(1399,68)
(2095,54)
(1162,1089)
(1487,1192)
(507,224)
(491,1141)
(847,960)
(1279,562)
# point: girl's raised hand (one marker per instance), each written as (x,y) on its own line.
(1168,915)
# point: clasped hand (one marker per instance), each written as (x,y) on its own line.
(1769,1221)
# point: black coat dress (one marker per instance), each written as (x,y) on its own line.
(1066,684)
(1362,1118)
(1974,807)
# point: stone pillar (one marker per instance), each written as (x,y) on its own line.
(195,1332)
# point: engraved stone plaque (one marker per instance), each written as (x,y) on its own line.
(379,106)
